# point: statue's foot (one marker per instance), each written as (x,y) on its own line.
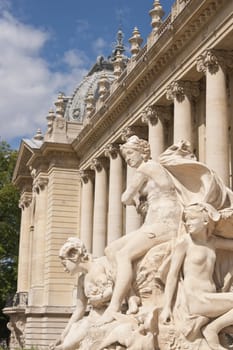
(212,339)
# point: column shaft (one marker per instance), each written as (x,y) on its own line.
(214,64)
(156,138)
(38,246)
(100,210)
(217,152)
(183,120)
(23,282)
(87,200)
(183,92)
(115,209)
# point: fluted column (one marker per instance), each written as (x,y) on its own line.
(24,244)
(115,208)
(100,207)
(154,116)
(214,63)
(182,92)
(87,200)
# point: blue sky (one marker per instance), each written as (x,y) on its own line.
(48,46)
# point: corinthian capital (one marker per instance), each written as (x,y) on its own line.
(211,59)
(180,88)
(98,164)
(25,200)
(86,175)
(151,114)
(40,183)
(111,150)
(132,130)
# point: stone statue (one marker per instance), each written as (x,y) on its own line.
(167,285)
(94,288)
(161,223)
(193,261)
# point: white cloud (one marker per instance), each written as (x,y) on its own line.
(75,58)
(28,87)
(99,46)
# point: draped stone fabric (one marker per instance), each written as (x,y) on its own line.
(193,180)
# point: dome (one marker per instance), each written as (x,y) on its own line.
(76,105)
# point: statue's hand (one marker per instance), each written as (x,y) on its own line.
(166,316)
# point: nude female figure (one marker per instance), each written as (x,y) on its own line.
(194,257)
(94,286)
(161,223)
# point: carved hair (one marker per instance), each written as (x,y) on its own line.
(139,145)
(74,250)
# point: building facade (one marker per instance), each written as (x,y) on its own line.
(178,86)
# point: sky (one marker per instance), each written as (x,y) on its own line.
(48,46)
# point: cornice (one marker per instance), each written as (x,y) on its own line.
(147,67)
(53,154)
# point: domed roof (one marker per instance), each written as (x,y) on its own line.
(76,105)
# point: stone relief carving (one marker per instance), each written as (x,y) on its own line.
(17,327)
(167,285)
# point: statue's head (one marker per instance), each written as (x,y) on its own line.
(136,147)
(74,250)
(199,217)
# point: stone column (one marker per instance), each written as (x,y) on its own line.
(214,63)
(154,116)
(100,207)
(24,244)
(86,225)
(182,92)
(38,243)
(115,208)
